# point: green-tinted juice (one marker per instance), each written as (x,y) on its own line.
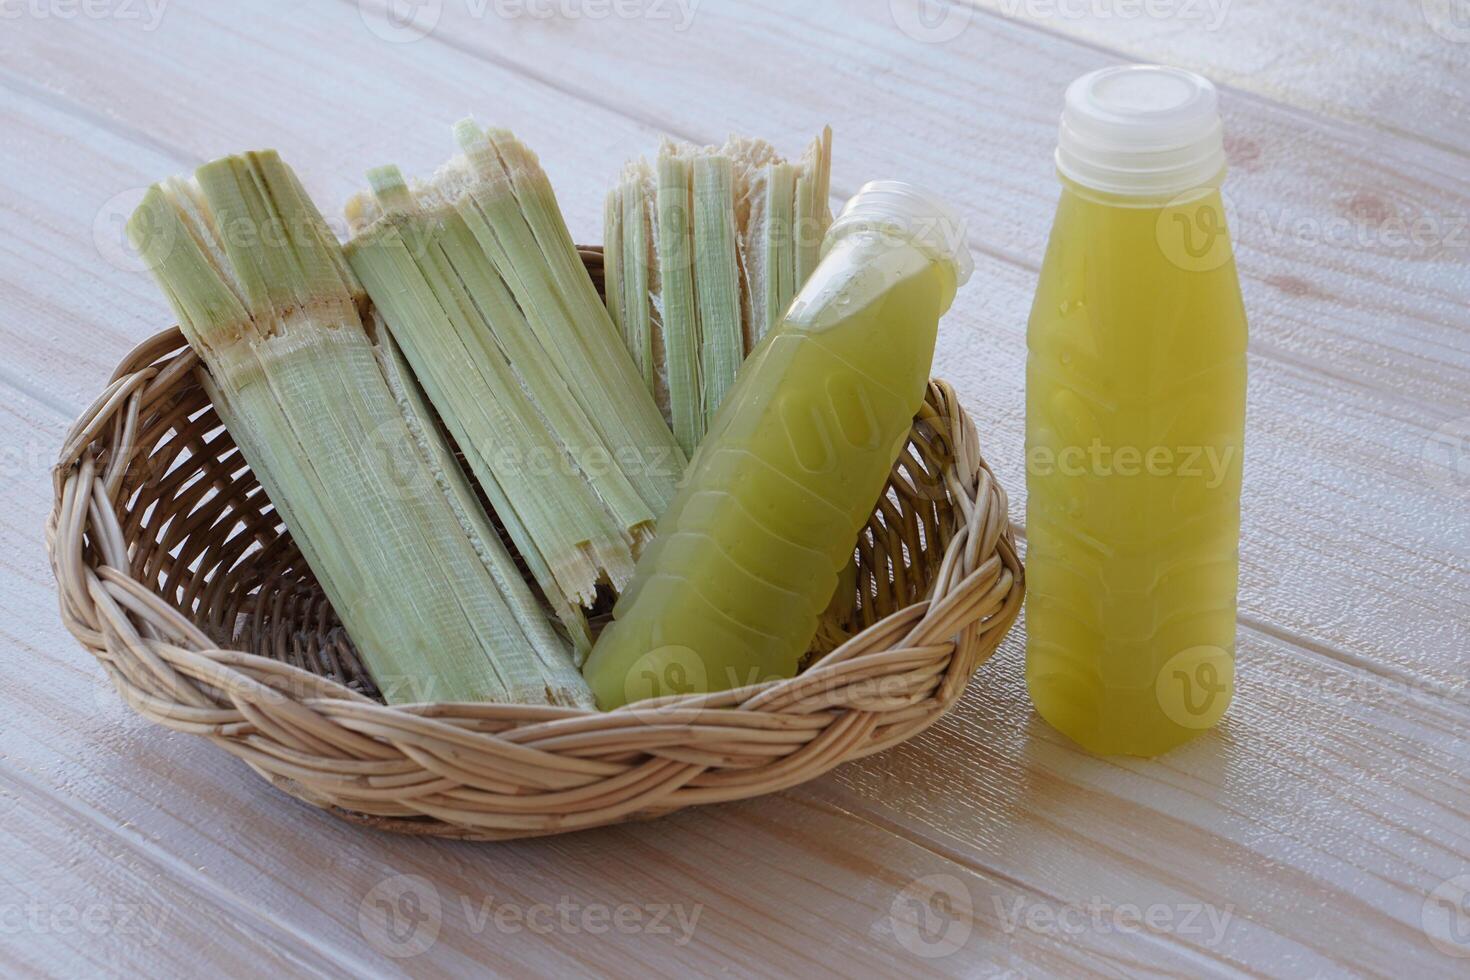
(749,553)
(1136,387)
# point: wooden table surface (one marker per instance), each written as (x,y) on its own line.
(1323,829)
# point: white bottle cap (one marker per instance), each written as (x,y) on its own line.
(913,214)
(1142,130)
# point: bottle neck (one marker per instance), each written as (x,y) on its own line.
(1143,201)
(858,267)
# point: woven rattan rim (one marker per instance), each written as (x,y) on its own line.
(174,571)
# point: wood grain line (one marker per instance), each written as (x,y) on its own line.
(1316,68)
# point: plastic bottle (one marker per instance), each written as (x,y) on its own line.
(1136,387)
(748,554)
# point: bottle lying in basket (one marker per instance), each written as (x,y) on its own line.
(1135,420)
(748,554)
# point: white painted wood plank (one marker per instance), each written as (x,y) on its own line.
(1320,815)
(83,899)
(1395,67)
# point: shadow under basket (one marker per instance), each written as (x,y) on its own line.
(176,572)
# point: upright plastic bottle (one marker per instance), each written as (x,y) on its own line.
(748,554)
(1136,387)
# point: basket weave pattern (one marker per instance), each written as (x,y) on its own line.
(175,571)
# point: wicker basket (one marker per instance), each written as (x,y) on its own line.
(176,573)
